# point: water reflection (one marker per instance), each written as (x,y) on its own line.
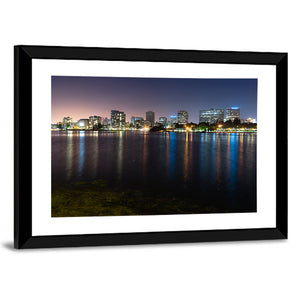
(252,153)
(233,161)
(201,165)
(201,159)
(167,156)
(186,158)
(213,158)
(145,156)
(81,155)
(172,154)
(241,156)
(69,155)
(190,157)
(95,154)
(120,155)
(218,163)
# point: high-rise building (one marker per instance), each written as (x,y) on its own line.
(133,119)
(173,120)
(150,117)
(83,123)
(118,119)
(106,122)
(211,116)
(232,113)
(139,123)
(163,121)
(94,122)
(67,123)
(182,117)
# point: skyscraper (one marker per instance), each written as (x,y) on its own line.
(133,119)
(182,117)
(211,116)
(232,113)
(173,120)
(106,122)
(163,121)
(150,117)
(118,119)
(67,122)
(94,122)
(83,124)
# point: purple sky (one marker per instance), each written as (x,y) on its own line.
(81,97)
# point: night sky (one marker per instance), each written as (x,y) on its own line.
(81,97)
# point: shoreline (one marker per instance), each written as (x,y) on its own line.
(162,131)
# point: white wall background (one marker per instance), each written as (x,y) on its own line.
(244,270)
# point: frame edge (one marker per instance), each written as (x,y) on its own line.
(22,147)
(152,238)
(282,145)
(152,54)
(23,238)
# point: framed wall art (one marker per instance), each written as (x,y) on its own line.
(142,146)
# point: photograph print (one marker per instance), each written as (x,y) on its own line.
(126,146)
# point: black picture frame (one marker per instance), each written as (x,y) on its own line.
(23,56)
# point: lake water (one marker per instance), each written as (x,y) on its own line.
(216,170)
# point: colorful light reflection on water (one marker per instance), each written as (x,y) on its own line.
(218,168)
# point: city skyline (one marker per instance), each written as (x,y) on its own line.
(80,97)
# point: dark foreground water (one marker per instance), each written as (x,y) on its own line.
(124,173)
